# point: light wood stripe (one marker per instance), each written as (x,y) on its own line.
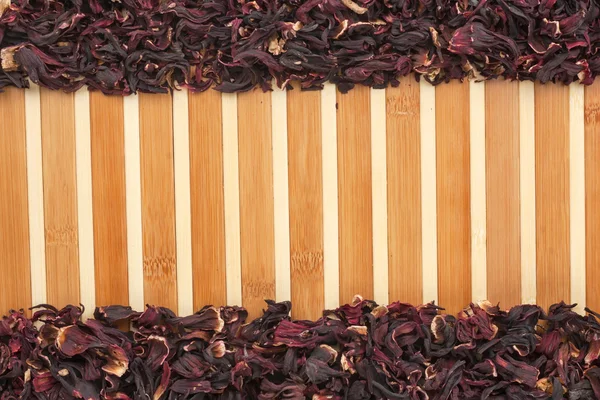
(108,196)
(208,225)
(133,201)
(404,217)
(306,203)
(527,192)
(453,195)
(256,200)
(502,197)
(477,189)
(158,200)
(14,227)
(552,193)
(354,188)
(35,195)
(281,202)
(577,195)
(427,121)
(592,193)
(231,195)
(183,228)
(379,196)
(60,197)
(331,255)
(85,215)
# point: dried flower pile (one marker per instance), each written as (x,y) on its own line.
(127,46)
(359,351)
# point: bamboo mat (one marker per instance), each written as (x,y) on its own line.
(459,193)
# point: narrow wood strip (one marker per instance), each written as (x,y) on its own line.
(35,195)
(592,194)
(231,195)
(208,223)
(478,207)
(15,269)
(158,200)
(552,193)
(183,228)
(256,200)
(502,197)
(527,192)
(60,197)
(304,150)
(354,187)
(331,255)
(133,201)
(429,252)
(453,195)
(379,196)
(404,192)
(281,202)
(577,195)
(108,197)
(85,215)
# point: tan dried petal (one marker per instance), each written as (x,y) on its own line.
(341,29)
(4,4)
(354,7)
(7,55)
(360,329)
(379,311)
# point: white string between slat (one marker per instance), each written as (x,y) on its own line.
(133,200)
(231,195)
(35,195)
(281,194)
(183,210)
(331,256)
(527,191)
(379,196)
(428,192)
(85,216)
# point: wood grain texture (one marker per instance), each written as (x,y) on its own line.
(14,213)
(453,195)
(354,194)
(60,197)
(592,193)
(306,202)
(552,193)
(206,180)
(502,193)
(158,200)
(256,200)
(404,192)
(108,196)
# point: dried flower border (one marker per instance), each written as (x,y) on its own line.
(360,351)
(126,46)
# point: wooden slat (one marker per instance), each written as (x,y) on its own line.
(158,200)
(15,268)
(453,195)
(60,197)
(592,193)
(502,187)
(306,203)
(256,200)
(206,180)
(108,195)
(404,192)
(552,192)
(354,193)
